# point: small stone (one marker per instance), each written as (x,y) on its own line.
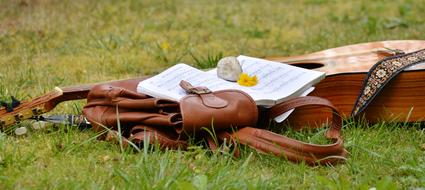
(21,131)
(228,68)
(39,125)
(423,147)
(106,158)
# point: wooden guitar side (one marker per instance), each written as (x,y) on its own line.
(402,100)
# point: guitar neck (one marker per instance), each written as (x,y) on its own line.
(48,101)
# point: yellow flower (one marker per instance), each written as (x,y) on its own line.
(165,46)
(246,80)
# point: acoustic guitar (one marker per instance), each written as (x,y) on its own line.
(346,68)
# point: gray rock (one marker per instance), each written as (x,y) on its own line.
(21,131)
(228,68)
(38,125)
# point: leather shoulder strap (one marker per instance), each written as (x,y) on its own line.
(336,120)
(291,149)
(165,139)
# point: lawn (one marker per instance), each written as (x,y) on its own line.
(48,43)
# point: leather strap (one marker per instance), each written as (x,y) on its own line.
(139,134)
(268,142)
(336,122)
(194,90)
(208,98)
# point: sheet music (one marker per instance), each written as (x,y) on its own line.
(275,80)
(166,84)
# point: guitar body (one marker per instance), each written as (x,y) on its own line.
(402,100)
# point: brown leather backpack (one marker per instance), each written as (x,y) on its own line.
(230,114)
(141,118)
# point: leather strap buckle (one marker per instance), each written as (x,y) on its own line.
(194,90)
(199,90)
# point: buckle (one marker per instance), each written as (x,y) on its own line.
(199,90)
(194,90)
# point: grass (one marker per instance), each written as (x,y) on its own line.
(47,43)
